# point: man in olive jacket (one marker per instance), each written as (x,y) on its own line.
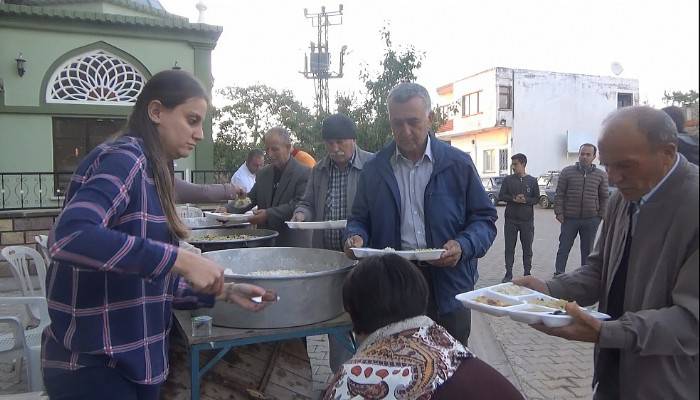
(643,270)
(579,204)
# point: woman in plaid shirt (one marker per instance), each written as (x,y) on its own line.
(117,269)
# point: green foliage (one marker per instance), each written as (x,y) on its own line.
(681,98)
(371,113)
(250,112)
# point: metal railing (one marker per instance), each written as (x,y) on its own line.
(41,190)
(32,190)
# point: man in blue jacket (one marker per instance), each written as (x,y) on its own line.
(419,192)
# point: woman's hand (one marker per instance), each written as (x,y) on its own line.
(242,293)
(201,273)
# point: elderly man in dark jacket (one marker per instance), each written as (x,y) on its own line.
(419,192)
(579,204)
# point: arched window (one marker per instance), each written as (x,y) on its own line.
(96,77)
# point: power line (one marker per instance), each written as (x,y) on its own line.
(317,62)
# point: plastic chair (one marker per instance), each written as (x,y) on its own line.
(25,342)
(43,242)
(188,211)
(17,257)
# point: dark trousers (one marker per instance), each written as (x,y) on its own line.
(458,323)
(527,235)
(586,229)
(92,383)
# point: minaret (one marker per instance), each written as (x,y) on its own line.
(201,7)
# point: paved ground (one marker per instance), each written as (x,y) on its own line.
(540,366)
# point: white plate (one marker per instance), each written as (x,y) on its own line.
(229,217)
(338,224)
(521,310)
(513,290)
(423,255)
(469,300)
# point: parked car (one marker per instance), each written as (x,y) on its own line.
(548,188)
(493,186)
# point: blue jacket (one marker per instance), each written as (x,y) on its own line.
(456,207)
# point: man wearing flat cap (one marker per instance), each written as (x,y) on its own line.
(330,193)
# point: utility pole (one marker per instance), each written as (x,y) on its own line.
(317,62)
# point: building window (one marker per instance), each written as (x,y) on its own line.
(624,100)
(97,77)
(503,163)
(489,160)
(73,138)
(470,104)
(505,97)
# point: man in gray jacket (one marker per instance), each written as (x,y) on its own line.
(331,188)
(330,193)
(579,204)
(643,270)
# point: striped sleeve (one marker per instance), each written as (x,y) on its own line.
(82,234)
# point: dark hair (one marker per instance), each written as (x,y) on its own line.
(338,126)
(171,88)
(255,153)
(595,149)
(382,290)
(520,157)
(677,115)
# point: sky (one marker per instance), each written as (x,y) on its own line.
(265,41)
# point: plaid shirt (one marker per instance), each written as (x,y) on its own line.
(336,203)
(109,287)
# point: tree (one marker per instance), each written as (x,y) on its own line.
(250,112)
(371,112)
(681,98)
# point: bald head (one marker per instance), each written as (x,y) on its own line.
(637,147)
(656,126)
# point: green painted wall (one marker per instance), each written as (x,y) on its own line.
(24,143)
(156,55)
(25,134)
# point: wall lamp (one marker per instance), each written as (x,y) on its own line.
(20,64)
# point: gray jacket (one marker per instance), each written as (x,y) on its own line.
(280,206)
(312,205)
(581,192)
(658,333)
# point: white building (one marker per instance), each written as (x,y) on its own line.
(544,115)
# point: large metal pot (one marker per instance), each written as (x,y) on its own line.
(210,223)
(262,238)
(305,299)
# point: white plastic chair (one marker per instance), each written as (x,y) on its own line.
(43,242)
(17,257)
(25,342)
(188,211)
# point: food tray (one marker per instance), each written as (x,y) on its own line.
(227,217)
(337,224)
(419,255)
(210,223)
(521,305)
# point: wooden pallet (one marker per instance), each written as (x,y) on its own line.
(267,371)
